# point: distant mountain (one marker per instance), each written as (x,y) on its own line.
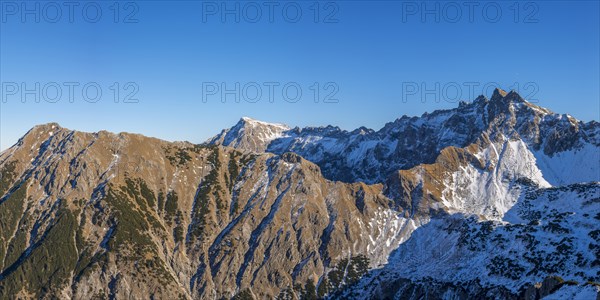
(250,135)
(564,147)
(496,198)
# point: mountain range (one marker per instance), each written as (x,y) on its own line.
(495,199)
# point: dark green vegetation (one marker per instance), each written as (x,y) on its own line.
(59,251)
(13,237)
(7,177)
(310,292)
(234,170)
(11,210)
(506,267)
(171,206)
(244,295)
(46,265)
(138,190)
(178,156)
(211,188)
(346,272)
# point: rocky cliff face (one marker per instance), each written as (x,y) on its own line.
(496,198)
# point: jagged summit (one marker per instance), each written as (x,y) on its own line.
(513,96)
(502,97)
(498,94)
(481,99)
(371,156)
(499,98)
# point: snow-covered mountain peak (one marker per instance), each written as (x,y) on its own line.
(253,122)
(372,156)
(250,135)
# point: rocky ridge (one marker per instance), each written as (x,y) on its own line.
(495,197)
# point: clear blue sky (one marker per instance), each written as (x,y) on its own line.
(552,52)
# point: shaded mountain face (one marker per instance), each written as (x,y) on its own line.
(496,198)
(549,231)
(365,155)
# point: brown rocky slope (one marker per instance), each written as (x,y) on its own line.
(97,215)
